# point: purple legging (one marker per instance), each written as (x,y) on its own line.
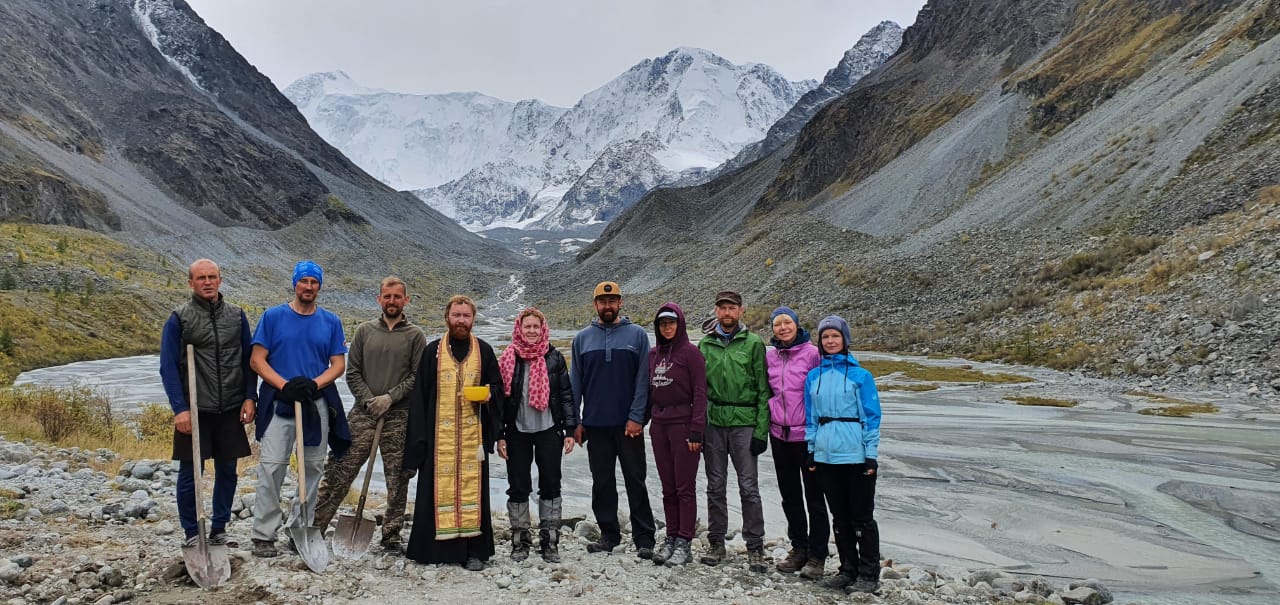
(678,470)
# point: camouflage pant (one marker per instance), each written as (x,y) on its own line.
(339,473)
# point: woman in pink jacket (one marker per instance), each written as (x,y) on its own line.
(789,361)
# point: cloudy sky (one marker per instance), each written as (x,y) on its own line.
(553,50)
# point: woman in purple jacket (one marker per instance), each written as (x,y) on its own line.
(789,362)
(678,403)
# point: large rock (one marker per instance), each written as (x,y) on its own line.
(9,572)
(1082,595)
(143,470)
(1093,583)
(16,453)
(587,530)
(986,575)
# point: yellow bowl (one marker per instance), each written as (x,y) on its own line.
(476,394)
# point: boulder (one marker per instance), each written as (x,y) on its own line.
(143,470)
(15,452)
(10,572)
(1082,595)
(1093,583)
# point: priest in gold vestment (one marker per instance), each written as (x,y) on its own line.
(448,442)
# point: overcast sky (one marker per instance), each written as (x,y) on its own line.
(553,50)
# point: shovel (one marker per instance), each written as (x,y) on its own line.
(307,539)
(354,533)
(207,563)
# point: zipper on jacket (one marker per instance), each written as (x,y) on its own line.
(217,356)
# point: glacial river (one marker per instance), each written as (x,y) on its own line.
(1163,510)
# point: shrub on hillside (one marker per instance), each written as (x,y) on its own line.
(155,421)
(61,412)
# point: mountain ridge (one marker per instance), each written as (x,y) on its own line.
(698,107)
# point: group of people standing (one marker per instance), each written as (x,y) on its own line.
(725,399)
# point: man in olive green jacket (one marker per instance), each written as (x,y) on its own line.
(737,427)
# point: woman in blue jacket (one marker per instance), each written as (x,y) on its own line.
(842,416)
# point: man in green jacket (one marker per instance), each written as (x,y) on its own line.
(737,426)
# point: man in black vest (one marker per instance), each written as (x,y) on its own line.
(226,393)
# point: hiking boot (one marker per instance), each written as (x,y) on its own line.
(549,548)
(222,539)
(264,548)
(714,555)
(644,552)
(474,564)
(862,586)
(838,581)
(191,541)
(755,560)
(520,540)
(602,545)
(794,561)
(549,529)
(680,554)
(664,551)
(392,544)
(813,570)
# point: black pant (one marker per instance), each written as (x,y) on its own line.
(802,498)
(523,449)
(852,498)
(607,446)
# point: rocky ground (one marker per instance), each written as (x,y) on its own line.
(73,532)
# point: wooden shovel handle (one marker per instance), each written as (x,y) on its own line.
(193,410)
(368,471)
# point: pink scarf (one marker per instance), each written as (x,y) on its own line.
(534,353)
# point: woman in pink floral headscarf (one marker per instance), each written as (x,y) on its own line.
(538,421)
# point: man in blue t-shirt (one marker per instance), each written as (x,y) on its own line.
(298,350)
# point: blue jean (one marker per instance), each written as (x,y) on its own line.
(224,493)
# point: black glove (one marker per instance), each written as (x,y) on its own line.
(872,467)
(295,389)
(809,462)
(758,446)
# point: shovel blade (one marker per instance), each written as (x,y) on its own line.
(311,547)
(352,538)
(208,567)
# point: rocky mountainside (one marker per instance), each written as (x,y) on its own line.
(489,163)
(872,50)
(1077,183)
(133,118)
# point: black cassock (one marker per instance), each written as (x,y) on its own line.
(419,454)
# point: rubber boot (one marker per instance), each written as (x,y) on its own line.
(518,512)
(549,529)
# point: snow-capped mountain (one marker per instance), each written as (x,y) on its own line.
(489,163)
(872,50)
(417,141)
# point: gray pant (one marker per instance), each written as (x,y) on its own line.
(718,446)
(273,456)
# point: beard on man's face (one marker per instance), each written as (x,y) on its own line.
(459,330)
(608,315)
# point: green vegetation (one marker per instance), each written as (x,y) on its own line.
(86,418)
(1181,408)
(1083,271)
(1113,43)
(1043,401)
(71,295)
(1181,411)
(913,388)
(884,367)
(10,508)
(337,210)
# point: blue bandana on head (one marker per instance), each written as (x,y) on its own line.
(307,268)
